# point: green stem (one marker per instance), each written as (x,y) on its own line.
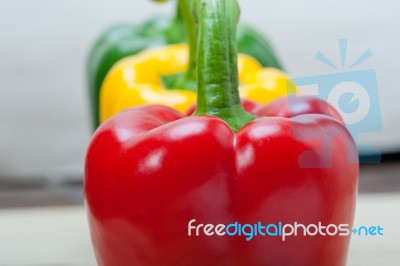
(217,71)
(185,7)
(174,31)
(187,80)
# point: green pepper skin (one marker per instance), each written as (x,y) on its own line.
(252,43)
(125,40)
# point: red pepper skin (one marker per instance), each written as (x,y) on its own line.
(294,105)
(149,172)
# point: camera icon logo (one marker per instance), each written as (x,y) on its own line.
(353,93)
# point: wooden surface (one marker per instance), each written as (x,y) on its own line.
(374,178)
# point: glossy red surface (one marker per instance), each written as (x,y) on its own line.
(150,171)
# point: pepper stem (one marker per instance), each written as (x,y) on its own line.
(189,79)
(217,72)
(175,27)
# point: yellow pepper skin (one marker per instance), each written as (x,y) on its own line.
(137,80)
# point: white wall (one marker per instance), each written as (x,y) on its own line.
(44,120)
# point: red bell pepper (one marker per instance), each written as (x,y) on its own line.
(150,171)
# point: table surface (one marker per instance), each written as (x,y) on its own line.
(60,235)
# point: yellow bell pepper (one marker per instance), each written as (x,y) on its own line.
(136,80)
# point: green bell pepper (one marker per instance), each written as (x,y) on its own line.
(125,40)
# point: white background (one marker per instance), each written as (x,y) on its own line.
(44,118)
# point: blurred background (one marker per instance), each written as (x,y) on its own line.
(45,123)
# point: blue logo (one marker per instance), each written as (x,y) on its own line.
(353,93)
